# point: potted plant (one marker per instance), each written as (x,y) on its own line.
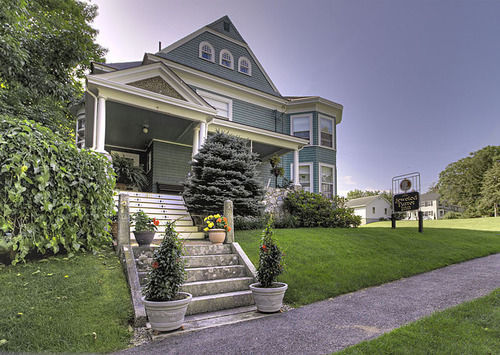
(165,305)
(216,227)
(128,176)
(267,293)
(145,228)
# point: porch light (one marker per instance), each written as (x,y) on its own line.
(145,128)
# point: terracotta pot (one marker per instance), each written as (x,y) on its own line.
(217,236)
(269,299)
(144,238)
(168,315)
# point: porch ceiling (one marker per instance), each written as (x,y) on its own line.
(266,151)
(124,125)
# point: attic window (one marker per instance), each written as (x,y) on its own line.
(226,26)
(244,66)
(206,51)
(226,59)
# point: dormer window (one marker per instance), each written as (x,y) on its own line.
(226,59)
(244,66)
(206,51)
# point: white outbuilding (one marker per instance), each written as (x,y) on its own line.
(371,208)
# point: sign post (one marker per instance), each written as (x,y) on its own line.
(406,197)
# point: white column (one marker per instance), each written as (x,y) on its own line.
(196,140)
(203,133)
(101,124)
(296,168)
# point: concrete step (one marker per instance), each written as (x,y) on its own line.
(215,273)
(211,260)
(213,287)
(183,235)
(178,228)
(207,249)
(211,303)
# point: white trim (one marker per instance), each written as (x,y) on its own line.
(320,183)
(128,148)
(311,173)
(226,100)
(221,54)
(321,116)
(200,51)
(132,156)
(306,115)
(240,59)
(103,67)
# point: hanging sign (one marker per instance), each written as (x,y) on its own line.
(407,201)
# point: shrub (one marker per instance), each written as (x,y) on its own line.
(452,215)
(144,223)
(129,174)
(167,272)
(309,209)
(249,222)
(52,195)
(270,258)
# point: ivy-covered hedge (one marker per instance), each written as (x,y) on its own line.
(53,196)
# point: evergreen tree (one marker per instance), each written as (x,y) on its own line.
(224,169)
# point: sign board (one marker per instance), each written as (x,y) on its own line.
(407,201)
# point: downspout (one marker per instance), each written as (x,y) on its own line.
(95,119)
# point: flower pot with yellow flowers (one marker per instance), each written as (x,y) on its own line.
(217,228)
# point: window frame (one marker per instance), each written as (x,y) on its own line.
(221,53)
(209,95)
(320,182)
(240,59)
(303,115)
(311,174)
(320,143)
(200,51)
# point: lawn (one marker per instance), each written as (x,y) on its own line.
(325,262)
(60,304)
(485,224)
(470,328)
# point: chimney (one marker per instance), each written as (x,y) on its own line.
(159,46)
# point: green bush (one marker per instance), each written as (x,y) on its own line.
(249,222)
(270,258)
(52,195)
(309,209)
(453,215)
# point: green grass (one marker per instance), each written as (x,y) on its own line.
(485,224)
(470,328)
(325,262)
(80,304)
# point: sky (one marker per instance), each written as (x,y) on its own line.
(419,80)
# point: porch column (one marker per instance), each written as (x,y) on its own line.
(203,133)
(196,140)
(101,124)
(296,182)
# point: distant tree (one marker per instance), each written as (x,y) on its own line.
(490,191)
(46,46)
(462,181)
(433,187)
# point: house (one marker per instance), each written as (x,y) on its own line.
(371,208)
(433,207)
(158,111)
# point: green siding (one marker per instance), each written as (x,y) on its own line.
(170,163)
(187,54)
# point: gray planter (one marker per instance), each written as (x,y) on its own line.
(270,299)
(168,315)
(144,238)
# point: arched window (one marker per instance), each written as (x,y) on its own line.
(244,66)
(206,51)
(226,59)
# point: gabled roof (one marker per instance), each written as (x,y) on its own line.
(362,201)
(218,25)
(429,196)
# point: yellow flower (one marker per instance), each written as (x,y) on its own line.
(210,225)
(210,216)
(205,219)
(217,216)
(206,229)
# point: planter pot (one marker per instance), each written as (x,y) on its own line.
(269,299)
(168,315)
(144,238)
(217,236)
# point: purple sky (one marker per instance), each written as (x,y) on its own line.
(419,80)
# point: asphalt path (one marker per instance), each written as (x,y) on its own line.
(331,325)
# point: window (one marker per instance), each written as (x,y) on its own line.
(244,66)
(385,211)
(327,178)
(226,59)
(373,210)
(226,26)
(326,131)
(223,105)
(206,51)
(301,126)
(149,164)
(305,176)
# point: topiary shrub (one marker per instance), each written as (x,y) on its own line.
(53,196)
(167,271)
(270,258)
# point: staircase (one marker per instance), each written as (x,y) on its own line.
(215,276)
(164,208)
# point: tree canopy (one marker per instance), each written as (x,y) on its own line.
(351,195)
(463,182)
(46,46)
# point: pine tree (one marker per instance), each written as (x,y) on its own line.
(224,169)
